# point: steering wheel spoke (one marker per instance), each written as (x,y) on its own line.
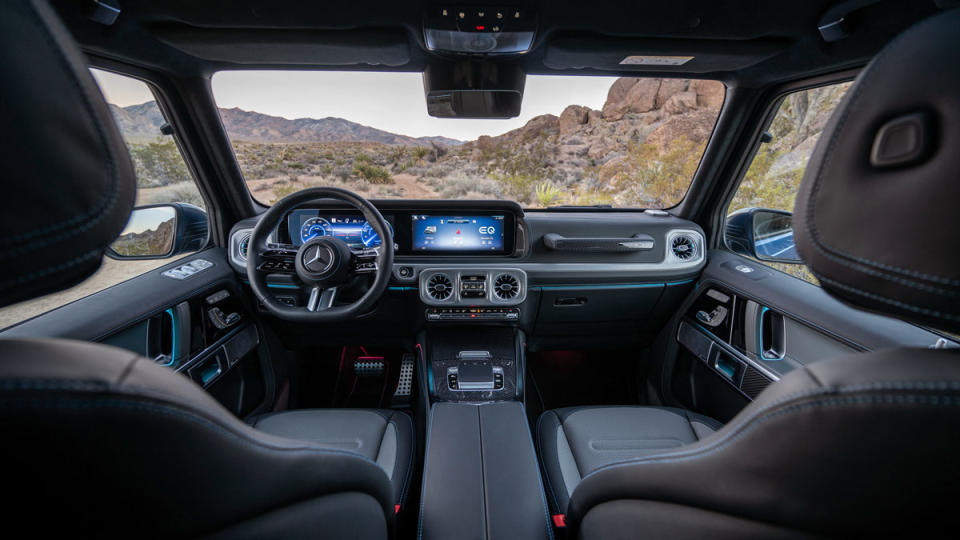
(321,299)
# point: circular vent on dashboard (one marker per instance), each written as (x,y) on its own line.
(242,247)
(684,247)
(506,287)
(439,287)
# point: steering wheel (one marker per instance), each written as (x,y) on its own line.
(321,264)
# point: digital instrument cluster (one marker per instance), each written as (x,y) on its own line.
(305,225)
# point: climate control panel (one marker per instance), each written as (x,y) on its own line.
(465,287)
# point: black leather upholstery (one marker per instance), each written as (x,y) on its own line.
(107,443)
(856,446)
(481,479)
(99,442)
(575,441)
(863,445)
(68,176)
(884,236)
(383,436)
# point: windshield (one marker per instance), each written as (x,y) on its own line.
(580,141)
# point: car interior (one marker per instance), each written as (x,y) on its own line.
(715,299)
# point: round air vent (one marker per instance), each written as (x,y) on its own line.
(243,246)
(506,287)
(684,247)
(439,287)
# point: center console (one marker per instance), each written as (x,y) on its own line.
(481,475)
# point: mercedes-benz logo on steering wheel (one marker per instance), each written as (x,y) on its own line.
(317,258)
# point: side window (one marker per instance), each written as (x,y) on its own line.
(162,177)
(773,178)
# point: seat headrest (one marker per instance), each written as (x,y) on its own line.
(877,218)
(69,183)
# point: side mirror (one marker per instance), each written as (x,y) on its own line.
(765,235)
(160,231)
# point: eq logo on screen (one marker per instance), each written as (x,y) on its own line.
(487,229)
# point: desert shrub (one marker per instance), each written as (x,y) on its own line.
(362,159)
(159,163)
(519,187)
(343,173)
(374,174)
(440,170)
(280,192)
(467,187)
(548,194)
(420,153)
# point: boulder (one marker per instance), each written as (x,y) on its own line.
(695,127)
(669,88)
(709,93)
(538,125)
(642,96)
(572,118)
(619,88)
(681,103)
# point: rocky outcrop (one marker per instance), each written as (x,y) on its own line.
(572,118)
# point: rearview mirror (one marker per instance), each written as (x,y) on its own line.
(160,231)
(470,89)
(765,235)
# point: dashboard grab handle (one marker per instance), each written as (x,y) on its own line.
(639,242)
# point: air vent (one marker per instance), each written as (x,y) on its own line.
(439,287)
(684,247)
(243,246)
(506,287)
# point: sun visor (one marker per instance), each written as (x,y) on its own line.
(374,47)
(680,55)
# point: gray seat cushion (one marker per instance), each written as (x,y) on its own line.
(572,442)
(383,436)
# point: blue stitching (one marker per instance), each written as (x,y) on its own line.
(885,300)
(828,157)
(90,255)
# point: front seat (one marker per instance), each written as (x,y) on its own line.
(860,446)
(99,442)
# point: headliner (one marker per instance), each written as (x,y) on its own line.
(742,42)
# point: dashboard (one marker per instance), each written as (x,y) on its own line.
(561,276)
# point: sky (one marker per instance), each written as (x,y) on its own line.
(392,102)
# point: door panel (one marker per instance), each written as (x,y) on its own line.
(201,327)
(745,326)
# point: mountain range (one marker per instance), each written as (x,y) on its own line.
(143,121)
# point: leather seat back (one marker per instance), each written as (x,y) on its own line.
(864,445)
(98,442)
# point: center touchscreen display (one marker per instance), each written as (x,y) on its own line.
(457,233)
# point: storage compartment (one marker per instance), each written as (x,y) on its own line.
(481,478)
(595,309)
